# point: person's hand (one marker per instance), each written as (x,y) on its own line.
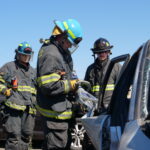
(84,84)
(73,84)
(8,92)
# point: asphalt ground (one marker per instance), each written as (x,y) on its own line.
(36,145)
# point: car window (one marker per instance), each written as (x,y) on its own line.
(119,106)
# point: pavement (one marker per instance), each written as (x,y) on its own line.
(32,149)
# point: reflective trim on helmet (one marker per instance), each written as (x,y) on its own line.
(48,79)
(15,106)
(53,114)
(68,30)
(20,44)
(27,45)
(109,87)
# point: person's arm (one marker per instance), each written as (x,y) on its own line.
(4,71)
(50,81)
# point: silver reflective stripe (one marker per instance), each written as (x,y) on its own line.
(95,88)
(53,114)
(15,106)
(66,86)
(32,110)
(48,78)
(109,87)
(27,89)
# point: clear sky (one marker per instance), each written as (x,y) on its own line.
(124,23)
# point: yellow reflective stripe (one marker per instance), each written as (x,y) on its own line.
(2,87)
(33,91)
(69,31)
(53,114)
(32,110)
(48,78)
(71,34)
(66,86)
(15,106)
(110,87)
(27,89)
(95,88)
(2,80)
(66,25)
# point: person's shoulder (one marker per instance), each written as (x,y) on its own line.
(117,67)
(32,68)
(50,49)
(9,64)
(91,66)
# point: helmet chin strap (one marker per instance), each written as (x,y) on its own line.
(94,56)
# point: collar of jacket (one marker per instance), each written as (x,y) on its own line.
(19,65)
(100,64)
(53,41)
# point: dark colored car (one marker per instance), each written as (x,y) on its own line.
(126,124)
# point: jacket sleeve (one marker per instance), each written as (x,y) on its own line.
(3,73)
(49,80)
(86,78)
(117,71)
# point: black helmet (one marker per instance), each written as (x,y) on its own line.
(101,45)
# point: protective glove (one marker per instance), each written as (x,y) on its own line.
(84,84)
(8,92)
(80,83)
(73,84)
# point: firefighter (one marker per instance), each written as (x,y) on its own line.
(17,84)
(95,75)
(95,72)
(55,82)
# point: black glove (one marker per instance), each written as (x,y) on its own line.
(84,84)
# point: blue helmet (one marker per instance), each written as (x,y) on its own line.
(73,29)
(24,48)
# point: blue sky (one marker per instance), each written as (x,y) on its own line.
(125,24)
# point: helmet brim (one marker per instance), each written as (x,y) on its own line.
(59,25)
(95,50)
(100,51)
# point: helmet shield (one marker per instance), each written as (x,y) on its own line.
(24,49)
(73,31)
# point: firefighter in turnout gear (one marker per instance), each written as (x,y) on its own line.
(95,72)
(17,83)
(55,83)
(95,75)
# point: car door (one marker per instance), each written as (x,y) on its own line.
(129,108)
(96,127)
